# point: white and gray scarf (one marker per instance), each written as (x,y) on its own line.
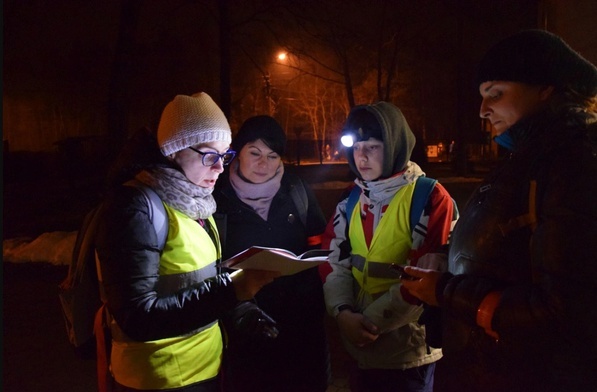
(380,190)
(175,189)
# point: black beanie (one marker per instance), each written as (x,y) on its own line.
(538,57)
(265,128)
(363,124)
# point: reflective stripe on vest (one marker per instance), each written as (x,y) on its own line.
(188,257)
(391,243)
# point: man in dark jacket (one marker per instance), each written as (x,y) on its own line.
(518,300)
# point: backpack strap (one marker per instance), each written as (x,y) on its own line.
(423,188)
(353,198)
(79,292)
(157,211)
(301,201)
(103,338)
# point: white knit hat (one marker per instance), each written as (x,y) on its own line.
(187,121)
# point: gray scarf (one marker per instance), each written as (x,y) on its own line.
(175,189)
(257,196)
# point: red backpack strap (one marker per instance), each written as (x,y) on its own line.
(105,382)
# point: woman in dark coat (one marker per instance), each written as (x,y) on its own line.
(261,204)
(165,300)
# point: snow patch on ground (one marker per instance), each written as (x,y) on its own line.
(54,247)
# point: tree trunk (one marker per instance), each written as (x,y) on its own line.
(225,88)
(118,95)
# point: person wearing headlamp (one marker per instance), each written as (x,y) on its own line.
(377,319)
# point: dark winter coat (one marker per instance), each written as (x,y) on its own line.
(299,354)
(546,270)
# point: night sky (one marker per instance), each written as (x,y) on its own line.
(59,58)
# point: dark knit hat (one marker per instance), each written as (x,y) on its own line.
(538,57)
(265,128)
(363,125)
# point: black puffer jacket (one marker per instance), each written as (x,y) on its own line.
(546,318)
(127,246)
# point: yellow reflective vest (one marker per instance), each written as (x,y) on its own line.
(189,256)
(391,243)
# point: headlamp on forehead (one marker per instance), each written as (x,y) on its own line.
(347,139)
(350,136)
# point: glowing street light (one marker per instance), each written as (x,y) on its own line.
(282,56)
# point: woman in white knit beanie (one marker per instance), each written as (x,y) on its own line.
(165,302)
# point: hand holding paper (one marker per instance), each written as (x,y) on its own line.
(248,283)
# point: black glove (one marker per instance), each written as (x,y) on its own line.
(249,320)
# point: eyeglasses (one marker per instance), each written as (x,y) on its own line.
(211,158)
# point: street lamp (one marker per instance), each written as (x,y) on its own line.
(269,83)
(282,56)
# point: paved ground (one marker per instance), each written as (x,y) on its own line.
(36,353)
